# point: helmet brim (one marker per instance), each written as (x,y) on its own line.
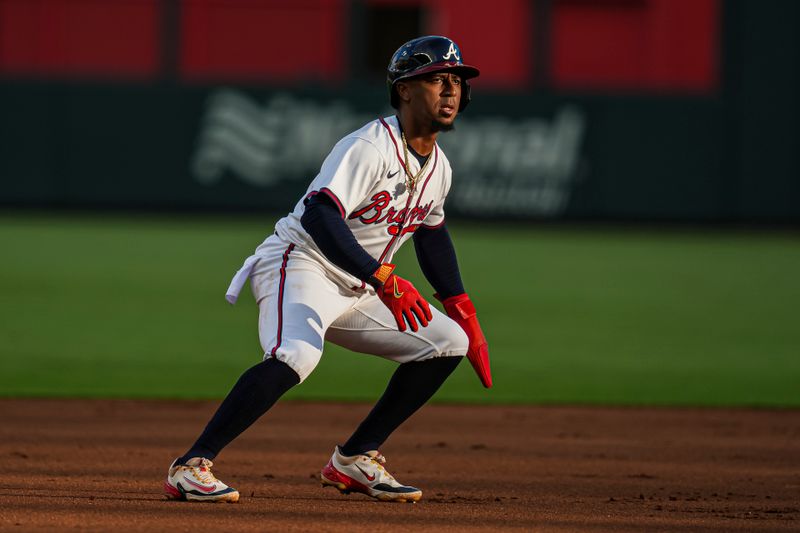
(465,71)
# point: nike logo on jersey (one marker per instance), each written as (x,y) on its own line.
(372,477)
(397,294)
(392,174)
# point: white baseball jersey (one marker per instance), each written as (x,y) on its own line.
(365,177)
(304,298)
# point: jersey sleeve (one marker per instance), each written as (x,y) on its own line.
(349,173)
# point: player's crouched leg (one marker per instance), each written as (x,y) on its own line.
(454,341)
(443,337)
(294,310)
(371,328)
(297,341)
(428,357)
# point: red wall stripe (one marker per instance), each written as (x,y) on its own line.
(635,44)
(496,37)
(80,38)
(664,45)
(280,40)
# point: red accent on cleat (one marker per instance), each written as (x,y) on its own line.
(172,492)
(335,477)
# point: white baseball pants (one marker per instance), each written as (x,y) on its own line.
(300,307)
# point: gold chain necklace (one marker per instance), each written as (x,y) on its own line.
(411,180)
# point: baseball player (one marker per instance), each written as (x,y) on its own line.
(327,274)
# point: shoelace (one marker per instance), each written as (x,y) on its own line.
(379,461)
(380,458)
(202,472)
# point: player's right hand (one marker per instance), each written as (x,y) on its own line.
(404,301)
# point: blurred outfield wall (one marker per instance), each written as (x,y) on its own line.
(731,153)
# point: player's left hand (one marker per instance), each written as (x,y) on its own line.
(461,309)
(405,302)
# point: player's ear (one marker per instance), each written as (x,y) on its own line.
(403,91)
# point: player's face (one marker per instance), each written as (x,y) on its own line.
(434,98)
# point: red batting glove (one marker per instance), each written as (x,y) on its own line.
(402,299)
(461,309)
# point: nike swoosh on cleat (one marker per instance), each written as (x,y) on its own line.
(392,174)
(369,478)
(204,488)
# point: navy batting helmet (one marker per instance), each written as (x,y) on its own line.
(431,53)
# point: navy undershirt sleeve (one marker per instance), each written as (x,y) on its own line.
(325,224)
(437,259)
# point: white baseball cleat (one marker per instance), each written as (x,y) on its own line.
(194,481)
(366,474)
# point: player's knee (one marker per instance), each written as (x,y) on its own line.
(299,356)
(456,340)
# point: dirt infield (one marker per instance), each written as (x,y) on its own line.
(98,465)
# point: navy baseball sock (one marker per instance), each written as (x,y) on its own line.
(411,386)
(256,391)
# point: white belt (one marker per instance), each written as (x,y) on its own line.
(240,278)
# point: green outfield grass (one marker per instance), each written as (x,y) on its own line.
(133,306)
